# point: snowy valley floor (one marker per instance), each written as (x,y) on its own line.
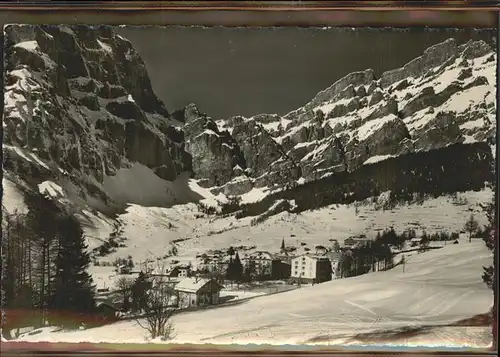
(410,308)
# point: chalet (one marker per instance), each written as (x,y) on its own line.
(106,310)
(414,242)
(311,268)
(180,271)
(123,269)
(197,292)
(184,271)
(356,241)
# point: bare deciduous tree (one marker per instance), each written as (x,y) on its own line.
(161,298)
(124,286)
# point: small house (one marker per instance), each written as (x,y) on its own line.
(123,269)
(197,291)
(180,271)
(184,271)
(349,242)
(106,310)
(414,242)
(356,240)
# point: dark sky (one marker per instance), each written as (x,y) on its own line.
(231,71)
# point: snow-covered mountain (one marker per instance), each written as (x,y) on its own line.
(78,108)
(444,97)
(81,123)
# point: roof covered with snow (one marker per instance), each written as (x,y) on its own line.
(191,285)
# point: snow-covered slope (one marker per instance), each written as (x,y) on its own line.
(151,231)
(436,288)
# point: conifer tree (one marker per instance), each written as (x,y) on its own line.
(238,268)
(138,290)
(471,226)
(74,289)
(42,220)
(230,269)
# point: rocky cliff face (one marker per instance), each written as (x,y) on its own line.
(444,97)
(79,106)
(216,156)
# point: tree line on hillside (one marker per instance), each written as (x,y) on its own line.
(45,276)
(455,168)
(378,254)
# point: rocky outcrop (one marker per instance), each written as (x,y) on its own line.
(347,84)
(432,57)
(384,138)
(341,89)
(474,49)
(80,99)
(327,157)
(442,130)
(265,159)
(215,153)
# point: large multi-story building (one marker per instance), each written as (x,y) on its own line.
(261,263)
(311,268)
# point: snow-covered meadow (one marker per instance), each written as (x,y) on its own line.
(437,288)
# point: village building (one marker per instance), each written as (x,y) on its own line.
(414,242)
(196,291)
(123,269)
(106,310)
(280,269)
(285,255)
(218,266)
(311,268)
(184,271)
(180,271)
(320,250)
(261,263)
(356,241)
